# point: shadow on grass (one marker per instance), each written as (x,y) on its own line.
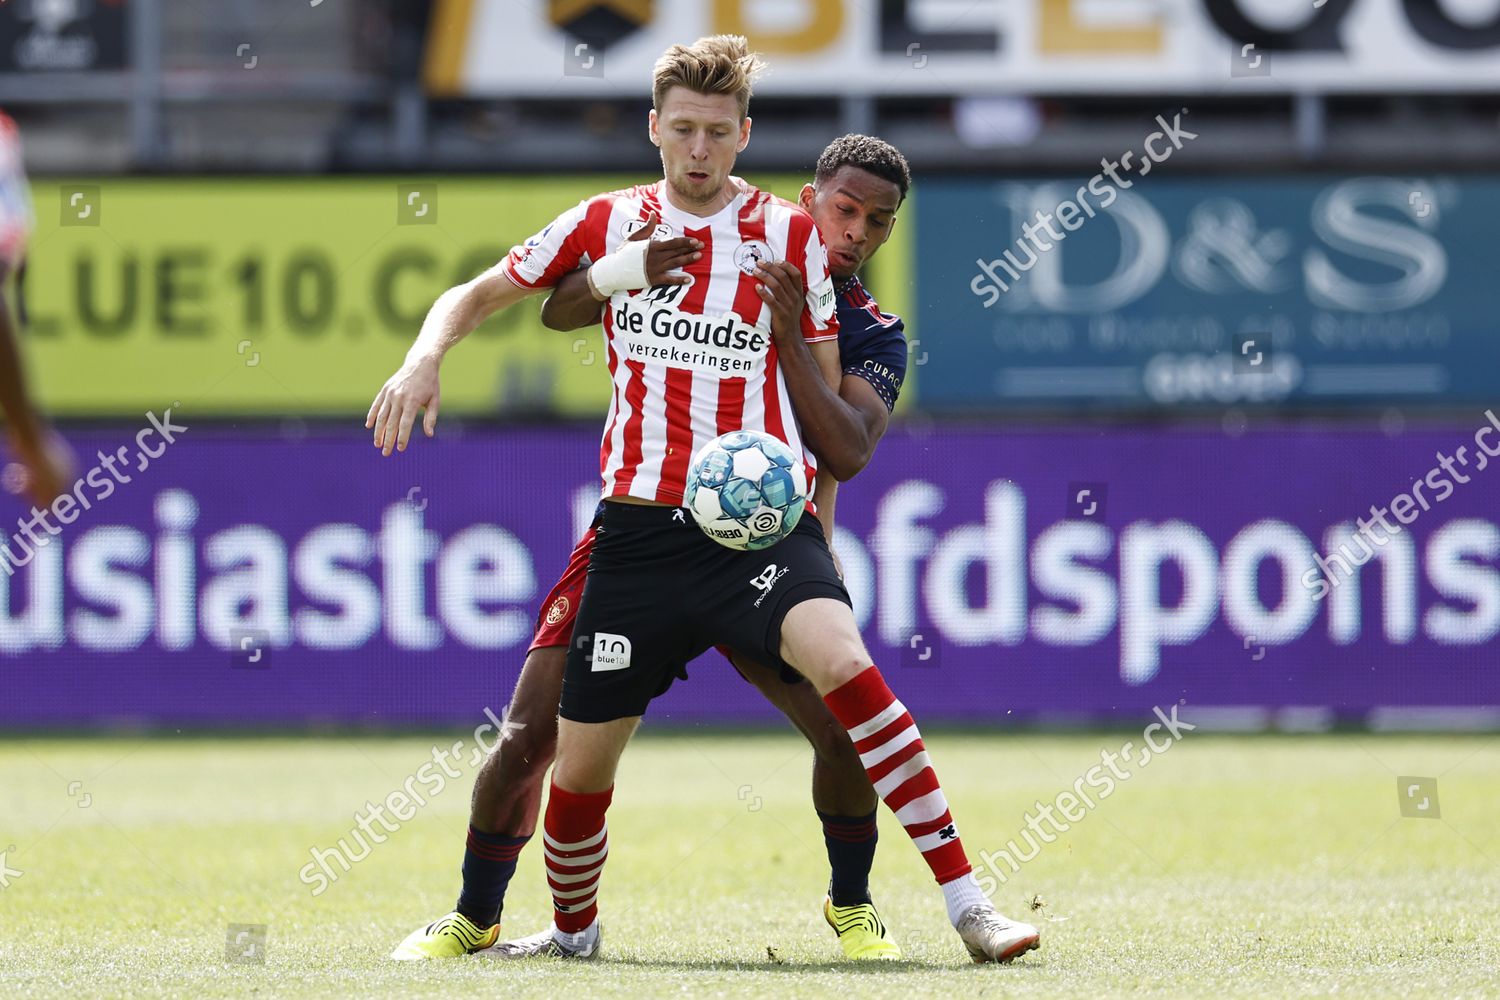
(845,967)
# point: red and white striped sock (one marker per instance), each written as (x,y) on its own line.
(891,750)
(575,844)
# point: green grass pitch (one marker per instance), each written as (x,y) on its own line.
(1230,866)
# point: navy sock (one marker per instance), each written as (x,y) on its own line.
(851,852)
(489,862)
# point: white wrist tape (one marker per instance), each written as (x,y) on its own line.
(622,271)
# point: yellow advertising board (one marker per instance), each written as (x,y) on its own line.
(293,296)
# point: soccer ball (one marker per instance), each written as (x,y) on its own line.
(745,490)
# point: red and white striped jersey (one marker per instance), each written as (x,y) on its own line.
(689,362)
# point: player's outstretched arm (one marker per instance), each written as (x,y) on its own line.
(455,315)
(842,421)
(48,460)
(578,299)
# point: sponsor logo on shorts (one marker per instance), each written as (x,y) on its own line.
(558,611)
(767,580)
(611,652)
(751,254)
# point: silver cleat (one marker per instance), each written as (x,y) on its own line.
(550,943)
(991,937)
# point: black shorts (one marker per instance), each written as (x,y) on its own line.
(660,592)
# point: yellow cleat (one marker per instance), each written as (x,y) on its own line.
(452,936)
(861,932)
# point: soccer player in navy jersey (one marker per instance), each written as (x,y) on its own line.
(658,592)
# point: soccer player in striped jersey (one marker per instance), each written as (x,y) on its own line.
(688,362)
(859,185)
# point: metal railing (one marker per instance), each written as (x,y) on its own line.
(192,60)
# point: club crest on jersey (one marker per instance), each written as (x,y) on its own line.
(558,611)
(751,254)
(633,226)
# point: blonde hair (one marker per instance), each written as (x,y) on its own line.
(717,64)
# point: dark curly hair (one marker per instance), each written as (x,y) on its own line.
(872,155)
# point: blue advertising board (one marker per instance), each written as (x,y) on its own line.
(1172,292)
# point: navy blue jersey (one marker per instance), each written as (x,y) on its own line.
(872,344)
